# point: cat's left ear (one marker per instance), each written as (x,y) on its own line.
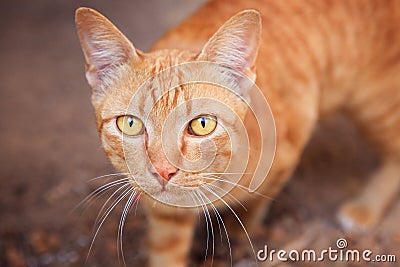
(235,44)
(103,45)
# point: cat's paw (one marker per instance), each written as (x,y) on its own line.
(356,217)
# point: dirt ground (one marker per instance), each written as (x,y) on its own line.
(50,150)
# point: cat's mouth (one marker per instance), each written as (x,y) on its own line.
(162,182)
(175,179)
(184,189)
(181,189)
(168,186)
(174,195)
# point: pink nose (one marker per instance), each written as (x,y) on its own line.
(166,172)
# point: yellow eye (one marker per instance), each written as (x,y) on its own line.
(202,125)
(130,125)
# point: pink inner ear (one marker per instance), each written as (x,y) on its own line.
(103,52)
(102,43)
(236,43)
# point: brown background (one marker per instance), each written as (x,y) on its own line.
(50,150)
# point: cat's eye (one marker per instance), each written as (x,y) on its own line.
(130,125)
(202,125)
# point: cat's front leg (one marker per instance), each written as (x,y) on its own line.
(364,211)
(170,232)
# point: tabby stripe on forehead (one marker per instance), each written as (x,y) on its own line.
(141,106)
(186,95)
(176,95)
(153,94)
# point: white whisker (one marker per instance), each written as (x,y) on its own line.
(228,194)
(122,223)
(211,227)
(101,214)
(205,216)
(137,202)
(236,216)
(219,219)
(109,175)
(118,200)
(217,178)
(99,192)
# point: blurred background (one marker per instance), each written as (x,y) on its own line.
(50,150)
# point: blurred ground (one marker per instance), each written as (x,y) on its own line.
(50,150)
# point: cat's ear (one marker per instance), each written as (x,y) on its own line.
(103,45)
(235,44)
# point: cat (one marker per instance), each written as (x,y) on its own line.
(309,58)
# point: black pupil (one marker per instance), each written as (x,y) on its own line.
(130,121)
(203,122)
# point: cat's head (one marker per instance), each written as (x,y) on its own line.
(141,114)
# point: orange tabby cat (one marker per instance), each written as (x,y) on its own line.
(311,58)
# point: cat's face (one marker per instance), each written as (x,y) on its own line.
(157,132)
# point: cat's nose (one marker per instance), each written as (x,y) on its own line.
(166,172)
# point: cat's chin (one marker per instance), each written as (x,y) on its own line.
(163,195)
(173,195)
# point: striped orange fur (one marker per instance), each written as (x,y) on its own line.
(313,58)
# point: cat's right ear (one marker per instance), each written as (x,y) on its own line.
(103,45)
(235,45)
